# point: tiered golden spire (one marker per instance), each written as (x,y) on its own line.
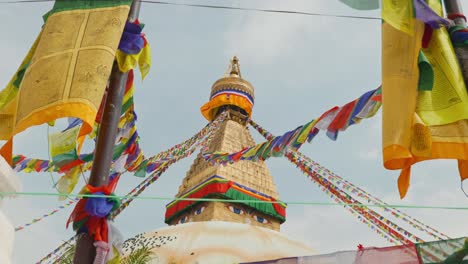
(232,136)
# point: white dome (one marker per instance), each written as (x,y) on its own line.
(216,242)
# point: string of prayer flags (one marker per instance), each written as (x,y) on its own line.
(353,190)
(207,133)
(38,219)
(332,121)
(333,183)
(126,151)
(382,224)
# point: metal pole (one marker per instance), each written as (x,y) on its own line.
(453,8)
(85,251)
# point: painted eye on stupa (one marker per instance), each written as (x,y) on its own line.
(260,219)
(199,210)
(236,210)
(183,220)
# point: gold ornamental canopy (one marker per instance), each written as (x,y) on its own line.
(231,90)
(233,79)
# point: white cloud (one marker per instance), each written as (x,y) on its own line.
(330,229)
(370,154)
(262,37)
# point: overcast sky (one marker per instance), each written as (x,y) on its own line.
(300,67)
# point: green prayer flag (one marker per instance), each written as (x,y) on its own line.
(451,251)
(64,5)
(141,172)
(426,73)
(362,4)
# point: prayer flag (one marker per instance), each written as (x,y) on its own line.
(422,124)
(362,4)
(63,146)
(399,14)
(70,67)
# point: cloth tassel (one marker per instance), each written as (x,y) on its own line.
(102,248)
(404,181)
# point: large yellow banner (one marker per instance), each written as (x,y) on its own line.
(426,124)
(69,70)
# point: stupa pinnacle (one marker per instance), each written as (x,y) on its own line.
(244,180)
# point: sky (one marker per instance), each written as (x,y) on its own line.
(300,67)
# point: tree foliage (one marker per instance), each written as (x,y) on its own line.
(139,256)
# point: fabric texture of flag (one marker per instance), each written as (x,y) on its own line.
(422,124)
(69,70)
(362,4)
(399,14)
(227,97)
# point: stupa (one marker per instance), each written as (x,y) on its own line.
(222,231)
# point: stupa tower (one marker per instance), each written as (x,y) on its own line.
(223,232)
(243,180)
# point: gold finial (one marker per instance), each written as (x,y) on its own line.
(234,67)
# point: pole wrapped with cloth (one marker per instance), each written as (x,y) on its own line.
(459,33)
(134,49)
(421,122)
(91,216)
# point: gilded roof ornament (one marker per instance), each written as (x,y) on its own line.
(233,80)
(234,67)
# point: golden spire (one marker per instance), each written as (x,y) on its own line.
(235,95)
(232,79)
(235,91)
(234,68)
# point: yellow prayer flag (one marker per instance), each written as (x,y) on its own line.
(448,100)
(399,92)
(62,143)
(69,70)
(422,125)
(399,14)
(66,184)
(127,62)
(305,132)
